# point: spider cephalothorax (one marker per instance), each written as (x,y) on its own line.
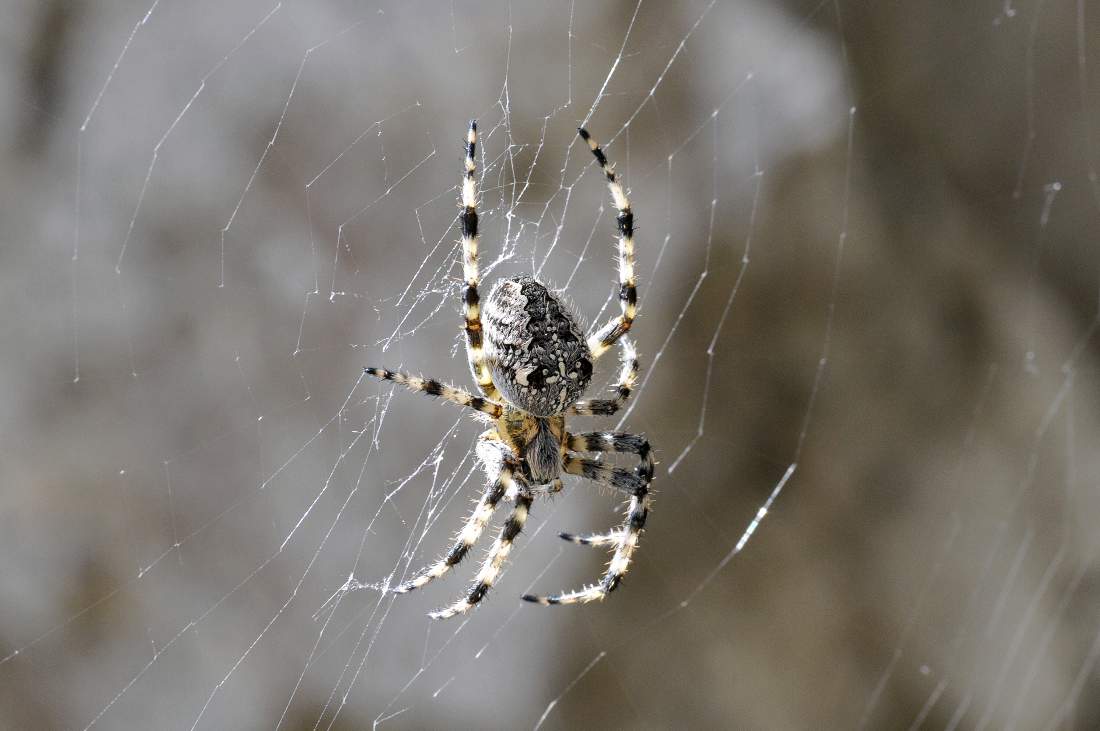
(532,362)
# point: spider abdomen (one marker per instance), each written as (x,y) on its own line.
(536,350)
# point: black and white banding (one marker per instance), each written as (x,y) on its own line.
(625,539)
(433,387)
(493,563)
(606,336)
(470,298)
(470,532)
(628,376)
(532,362)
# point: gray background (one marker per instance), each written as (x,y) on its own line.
(212,219)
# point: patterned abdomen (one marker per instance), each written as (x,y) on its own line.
(536,350)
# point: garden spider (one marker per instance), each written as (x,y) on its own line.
(532,362)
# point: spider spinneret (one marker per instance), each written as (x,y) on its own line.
(532,363)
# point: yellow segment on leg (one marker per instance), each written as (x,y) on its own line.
(618,195)
(473,529)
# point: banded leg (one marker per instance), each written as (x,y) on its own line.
(627,378)
(433,387)
(620,480)
(491,568)
(594,539)
(475,341)
(625,539)
(470,533)
(552,488)
(606,336)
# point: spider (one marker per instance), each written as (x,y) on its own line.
(532,363)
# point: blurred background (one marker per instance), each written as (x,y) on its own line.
(869,281)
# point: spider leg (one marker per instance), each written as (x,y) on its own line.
(606,336)
(620,480)
(627,377)
(475,341)
(433,387)
(551,488)
(593,539)
(491,568)
(636,484)
(470,533)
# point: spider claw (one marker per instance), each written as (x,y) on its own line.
(466,603)
(592,539)
(460,607)
(596,592)
(414,583)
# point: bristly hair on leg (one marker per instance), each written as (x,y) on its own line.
(606,336)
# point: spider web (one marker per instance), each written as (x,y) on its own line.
(869,294)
